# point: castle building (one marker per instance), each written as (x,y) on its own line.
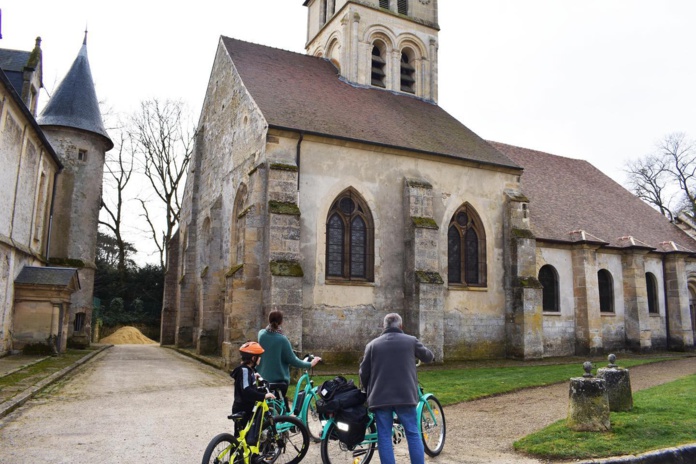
(50,192)
(333,187)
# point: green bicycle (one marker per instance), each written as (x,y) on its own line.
(304,403)
(430,416)
(265,439)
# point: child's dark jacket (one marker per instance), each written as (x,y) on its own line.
(246,393)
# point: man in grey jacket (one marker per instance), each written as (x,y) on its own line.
(388,372)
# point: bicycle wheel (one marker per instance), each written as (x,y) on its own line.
(333,451)
(311,418)
(285,441)
(433,428)
(223,449)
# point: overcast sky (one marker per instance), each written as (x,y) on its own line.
(601,80)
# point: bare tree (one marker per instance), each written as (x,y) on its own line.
(163,141)
(666,179)
(119,168)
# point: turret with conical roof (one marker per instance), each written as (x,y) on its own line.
(73,125)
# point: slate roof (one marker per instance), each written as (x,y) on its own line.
(568,195)
(12,62)
(52,276)
(74,103)
(29,117)
(304,93)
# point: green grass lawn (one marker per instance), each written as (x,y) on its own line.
(453,386)
(662,417)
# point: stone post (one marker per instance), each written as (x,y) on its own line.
(618,383)
(588,409)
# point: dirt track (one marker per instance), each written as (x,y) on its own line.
(143,403)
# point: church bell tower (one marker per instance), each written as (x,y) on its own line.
(388,44)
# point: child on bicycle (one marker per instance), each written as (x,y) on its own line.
(246,393)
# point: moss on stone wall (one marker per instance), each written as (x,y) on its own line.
(527,282)
(427,277)
(278,207)
(523,233)
(233,270)
(245,212)
(424,223)
(286,269)
(67,262)
(417,183)
(283,167)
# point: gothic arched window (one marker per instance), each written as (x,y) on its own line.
(651,285)
(378,65)
(349,239)
(466,248)
(548,277)
(408,72)
(606,291)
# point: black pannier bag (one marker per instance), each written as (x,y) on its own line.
(338,394)
(350,425)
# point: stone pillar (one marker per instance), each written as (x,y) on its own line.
(588,409)
(424,287)
(637,323)
(680,333)
(523,321)
(588,324)
(618,382)
(284,291)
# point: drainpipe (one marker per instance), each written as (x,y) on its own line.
(297,158)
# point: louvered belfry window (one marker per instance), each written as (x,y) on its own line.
(384,4)
(408,72)
(349,239)
(378,66)
(466,249)
(403,7)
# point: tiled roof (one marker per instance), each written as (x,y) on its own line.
(571,200)
(53,276)
(304,93)
(12,62)
(74,103)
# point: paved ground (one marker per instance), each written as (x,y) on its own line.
(138,403)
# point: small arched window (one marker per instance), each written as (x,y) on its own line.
(349,239)
(408,72)
(651,286)
(606,291)
(238,226)
(466,248)
(378,65)
(403,7)
(548,277)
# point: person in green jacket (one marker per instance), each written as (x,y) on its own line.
(278,355)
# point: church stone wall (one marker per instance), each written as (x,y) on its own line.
(474,319)
(559,328)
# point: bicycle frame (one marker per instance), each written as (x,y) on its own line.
(397,431)
(305,385)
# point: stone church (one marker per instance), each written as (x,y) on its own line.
(50,193)
(333,187)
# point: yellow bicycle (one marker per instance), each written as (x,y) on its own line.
(265,439)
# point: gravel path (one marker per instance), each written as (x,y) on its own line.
(139,403)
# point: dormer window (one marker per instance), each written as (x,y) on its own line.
(378,66)
(408,72)
(403,7)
